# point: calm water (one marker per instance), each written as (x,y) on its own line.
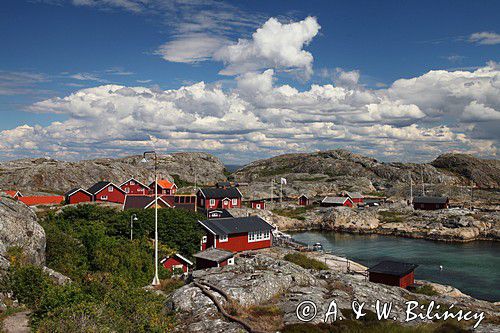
(474,267)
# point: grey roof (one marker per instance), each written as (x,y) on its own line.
(213,254)
(98,186)
(140,201)
(393,268)
(235,225)
(335,200)
(431,200)
(224,213)
(220,193)
(355,195)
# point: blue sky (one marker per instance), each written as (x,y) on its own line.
(52,49)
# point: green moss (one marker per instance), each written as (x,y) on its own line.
(305,262)
(180,182)
(391,217)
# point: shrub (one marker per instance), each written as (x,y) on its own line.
(27,283)
(426,290)
(306,262)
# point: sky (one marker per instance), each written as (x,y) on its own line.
(244,80)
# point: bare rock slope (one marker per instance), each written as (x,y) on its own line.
(19,228)
(48,175)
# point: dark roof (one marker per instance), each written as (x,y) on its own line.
(235,225)
(98,186)
(393,268)
(431,200)
(71,191)
(139,201)
(213,254)
(221,193)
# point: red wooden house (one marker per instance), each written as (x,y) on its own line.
(237,234)
(356,197)
(258,204)
(13,193)
(165,187)
(219,198)
(303,200)
(213,257)
(336,202)
(176,261)
(393,273)
(42,200)
(133,186)
(108,192)
(77,195)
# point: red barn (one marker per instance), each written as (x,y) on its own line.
(107,191)
(219,198)
(177,261)
(393,273)
(165,187)
(77,195)
(303,200)
(133,186)
(336,202)
(237,234)
(356,197)
(42,200)
(213,257)
(258,204)
(14,194)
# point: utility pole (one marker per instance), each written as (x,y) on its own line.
(281,192)
(272,190)
(423,184)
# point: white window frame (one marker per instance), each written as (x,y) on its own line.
(140,190)
(127,189)
(110,189)
(257,206)
(204,239)
(104,197)
(212,202)
(258,236)
(234,202)
(223,238)
(230,261)
(132,182)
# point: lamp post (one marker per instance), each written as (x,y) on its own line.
(132,219)
(156,280)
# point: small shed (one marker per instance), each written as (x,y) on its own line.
(77,195)
(430,203)
(258,204)
(393,273)
(177,261)
(213,257)
(336,202)
(356,197)
(303,200)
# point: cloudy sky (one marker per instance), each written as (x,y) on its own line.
(249,79)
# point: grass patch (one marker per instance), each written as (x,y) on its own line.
(169,285)
(304,261)
(391,217)
(294,213)
(426,290)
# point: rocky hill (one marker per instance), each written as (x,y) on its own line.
(48,175)
(327,172)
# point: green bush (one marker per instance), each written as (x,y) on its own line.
(27,284)
(305,262)
(426,290)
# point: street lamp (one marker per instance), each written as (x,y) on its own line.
(132,219)
(156,280)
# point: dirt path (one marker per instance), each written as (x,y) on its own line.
(17,323)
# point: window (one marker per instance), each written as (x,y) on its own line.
(235,202)
(204,239)
(212,202)
(256,236)
(222,238)
(104,197)
(258,206)
(132,182)
(141,190)
(230,261)
(110,189)
(127,190)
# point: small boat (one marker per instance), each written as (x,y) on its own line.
(317,247)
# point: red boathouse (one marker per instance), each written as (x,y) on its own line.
(77,195)
(237,234)
(393,273)
(336,202)
(258,204)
